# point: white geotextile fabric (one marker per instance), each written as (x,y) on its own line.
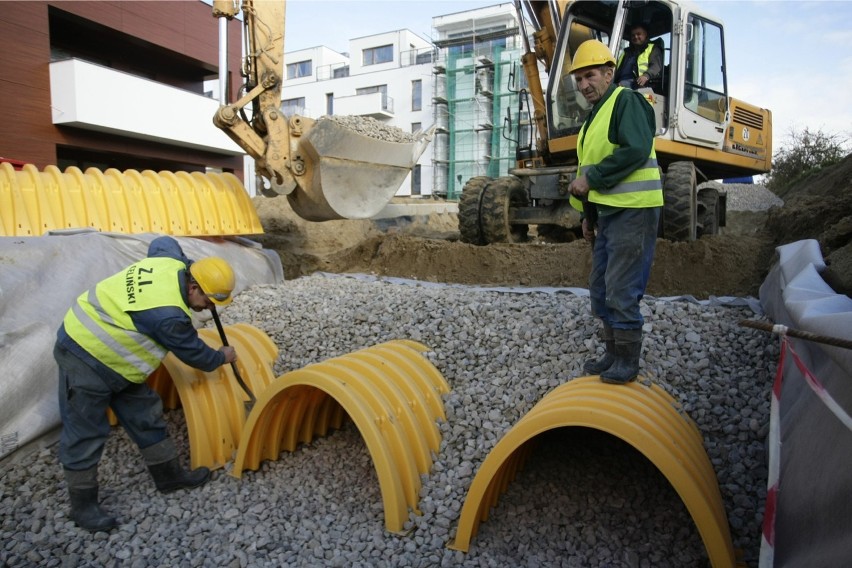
(813,526)
(40,277)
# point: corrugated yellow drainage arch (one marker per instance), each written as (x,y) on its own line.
(644,416)
(181,204)
(213,402)
(390,391)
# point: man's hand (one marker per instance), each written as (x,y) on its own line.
(642,80)
(230,353)
(579,187)
(588,233)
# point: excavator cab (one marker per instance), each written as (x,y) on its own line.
(599,20)
(702,133)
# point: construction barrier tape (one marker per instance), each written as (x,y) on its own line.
(767,541)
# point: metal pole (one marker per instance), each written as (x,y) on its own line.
(223,61)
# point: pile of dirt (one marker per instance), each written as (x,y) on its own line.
(427,247)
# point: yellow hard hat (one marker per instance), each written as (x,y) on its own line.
(216,278)
(591,53)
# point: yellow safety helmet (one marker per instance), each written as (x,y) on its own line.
(591,53)
(216,278)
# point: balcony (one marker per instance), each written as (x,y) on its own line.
(375,105)
(93,97)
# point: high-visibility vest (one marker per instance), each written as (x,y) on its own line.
(641,188)
(642,59)
(100,320)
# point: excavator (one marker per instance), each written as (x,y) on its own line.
(703,133)
(326,170)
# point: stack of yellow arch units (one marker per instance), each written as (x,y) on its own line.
(33,202)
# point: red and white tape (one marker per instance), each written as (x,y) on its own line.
(767,541)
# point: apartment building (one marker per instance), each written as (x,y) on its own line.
(462,83)
(115,85)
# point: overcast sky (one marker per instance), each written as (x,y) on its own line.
(794,58)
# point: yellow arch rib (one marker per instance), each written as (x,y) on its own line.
(646,417)
(213,402)
(182,204)
(385,390)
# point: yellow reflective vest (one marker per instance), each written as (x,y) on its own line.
(100,320)
(641,60)
(641,188)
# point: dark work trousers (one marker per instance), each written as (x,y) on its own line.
(621,265)
(85,395)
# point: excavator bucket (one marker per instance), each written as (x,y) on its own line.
(350,175)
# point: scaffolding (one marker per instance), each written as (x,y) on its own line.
(472,95)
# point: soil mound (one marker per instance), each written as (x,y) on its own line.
(427,247)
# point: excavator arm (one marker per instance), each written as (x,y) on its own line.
(266,135)
(326,169)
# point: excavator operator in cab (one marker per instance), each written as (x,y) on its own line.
(641,62)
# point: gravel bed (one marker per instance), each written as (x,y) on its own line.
(373,128)
(584,498)
(747,196)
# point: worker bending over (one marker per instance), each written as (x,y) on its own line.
(114,336)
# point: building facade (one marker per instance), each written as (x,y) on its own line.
(120,85)
(463,84)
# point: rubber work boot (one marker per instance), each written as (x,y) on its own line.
(83,494)
(170,476)
(628,349)
(599,366)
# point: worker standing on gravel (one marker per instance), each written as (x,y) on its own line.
(619,180)
(114,336)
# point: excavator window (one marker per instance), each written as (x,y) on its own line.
(704,81)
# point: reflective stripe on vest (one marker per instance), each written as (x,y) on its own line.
(641,188)
(100,321)
(641,61)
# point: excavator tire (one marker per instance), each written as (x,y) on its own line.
(469,226)
(680,212)
(498,197)
(708,211)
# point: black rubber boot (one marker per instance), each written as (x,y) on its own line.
(83,494)
(628,349)
(598,366)
(170,476)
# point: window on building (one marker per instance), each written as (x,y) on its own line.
(383,89)
(415,126)
(299,69)
(329,103)
(475,44)
(376,55)
(291,107)
(417,95)
(415,180)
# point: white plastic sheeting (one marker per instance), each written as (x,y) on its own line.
(812,525)
(40,277)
